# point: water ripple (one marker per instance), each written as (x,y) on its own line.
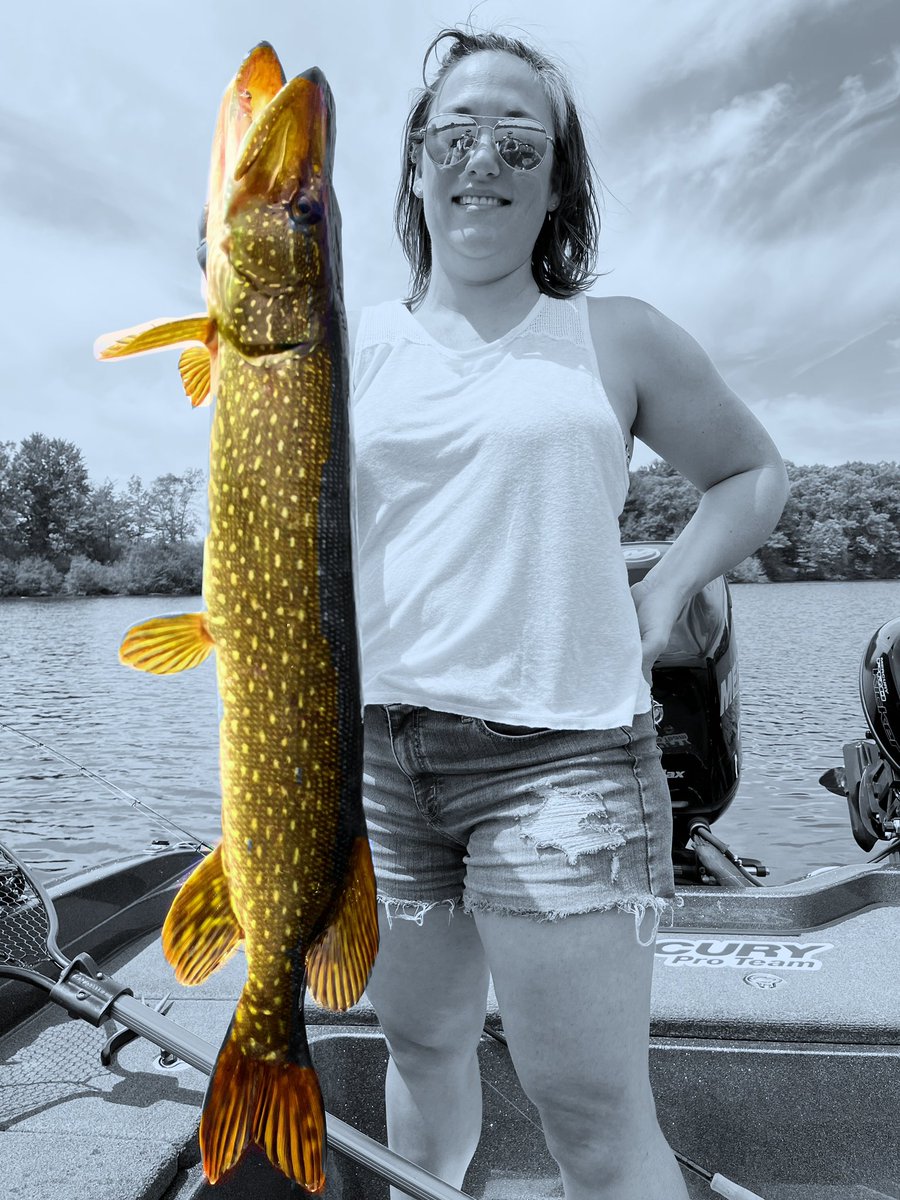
(60,681)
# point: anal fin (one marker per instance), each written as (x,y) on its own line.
(201,932)
(339,962)
(166,645)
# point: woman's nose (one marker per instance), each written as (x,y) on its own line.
(483,156)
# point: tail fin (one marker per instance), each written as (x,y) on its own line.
(277,1105)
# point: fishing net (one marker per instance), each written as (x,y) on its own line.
(24,920)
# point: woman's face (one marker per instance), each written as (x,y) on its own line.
(484,216)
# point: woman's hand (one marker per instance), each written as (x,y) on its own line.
(657,608)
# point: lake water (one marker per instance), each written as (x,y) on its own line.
(800,646)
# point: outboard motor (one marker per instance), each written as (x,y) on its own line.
(695,681)
(872,765)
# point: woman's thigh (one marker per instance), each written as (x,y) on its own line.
(429,983)
(574,995)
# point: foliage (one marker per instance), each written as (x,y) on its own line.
(839,522)
(49,489)
(60,532)
(36,577)
(86,577)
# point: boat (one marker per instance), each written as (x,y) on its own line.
(775,1027)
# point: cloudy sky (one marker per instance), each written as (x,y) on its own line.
(749,152)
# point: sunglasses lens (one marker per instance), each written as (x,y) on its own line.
(521,144)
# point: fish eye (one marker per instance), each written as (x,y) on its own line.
(303,209)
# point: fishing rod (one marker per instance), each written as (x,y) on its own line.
(120,792)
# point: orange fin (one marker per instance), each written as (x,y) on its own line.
(339,961)
(195,366)
(155,335)
(201,932)
(166,645)
(277,1105)
(289,1122)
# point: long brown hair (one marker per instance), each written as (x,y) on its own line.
(564,254)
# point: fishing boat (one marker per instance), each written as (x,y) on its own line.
(775,1030)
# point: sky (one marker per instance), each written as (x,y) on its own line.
(749,156)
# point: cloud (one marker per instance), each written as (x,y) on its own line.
(813,429)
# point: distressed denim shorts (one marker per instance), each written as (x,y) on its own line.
(543,823)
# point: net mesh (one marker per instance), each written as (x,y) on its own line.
(24,923)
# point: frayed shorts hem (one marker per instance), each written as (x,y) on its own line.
(660,906)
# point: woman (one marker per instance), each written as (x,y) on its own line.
(518,813)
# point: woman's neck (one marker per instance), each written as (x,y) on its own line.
(452,307)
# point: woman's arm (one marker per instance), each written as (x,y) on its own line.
(692,419)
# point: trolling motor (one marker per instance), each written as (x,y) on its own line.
(697,713)
(871,776)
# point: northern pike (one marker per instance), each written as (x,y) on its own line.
(292,875)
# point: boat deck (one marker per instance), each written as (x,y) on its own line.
(783,1078)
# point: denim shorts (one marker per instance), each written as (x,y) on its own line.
(544,823)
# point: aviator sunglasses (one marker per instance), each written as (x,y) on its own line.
(451,137)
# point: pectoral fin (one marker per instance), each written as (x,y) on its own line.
(201,931)
(166,645)
(195,366)
(339,961)
(156,335)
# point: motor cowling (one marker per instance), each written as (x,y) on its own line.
(695,683)
(872,765)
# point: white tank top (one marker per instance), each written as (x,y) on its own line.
(489,482)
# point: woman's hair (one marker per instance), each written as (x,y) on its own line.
(565,251)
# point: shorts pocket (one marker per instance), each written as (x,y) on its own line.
(498,729)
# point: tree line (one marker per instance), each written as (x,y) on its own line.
(839,522)
(62,534)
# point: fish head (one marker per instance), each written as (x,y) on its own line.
(256,82)
(281,228)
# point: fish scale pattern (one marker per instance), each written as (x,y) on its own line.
(277,680)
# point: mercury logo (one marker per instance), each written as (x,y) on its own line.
(721,952)
(728,690)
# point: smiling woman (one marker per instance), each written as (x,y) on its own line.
(519,818)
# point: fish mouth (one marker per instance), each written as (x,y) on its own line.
(257,81)
(291,139)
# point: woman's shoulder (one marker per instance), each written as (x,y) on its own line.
(637,330)
(627,315)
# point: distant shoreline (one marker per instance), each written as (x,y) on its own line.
(199,595)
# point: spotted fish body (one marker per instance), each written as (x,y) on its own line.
(292,875)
